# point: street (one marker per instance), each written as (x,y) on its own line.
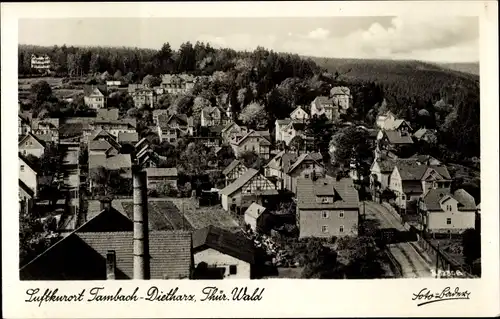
(412,263)
(71,181)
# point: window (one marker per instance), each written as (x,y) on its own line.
(341,229)
(325,214)
(232,270)
(172,140)
(448,221)
(341,214)
(306,175)
(324,200)
(324,229)
(22,168)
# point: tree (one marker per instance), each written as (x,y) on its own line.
(183,104)
(255,116)
(118,75)
(252,160)
(351,149)
(321,130)
(50,161)
(225,155)
(471,244)
(41,92)
(199,104)
(151,81)
(319,261)
(364,259)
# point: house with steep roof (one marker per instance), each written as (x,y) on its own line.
(28,174)
(94,96)
(111,162)
(86,256)
(447,212)
(382,118)
(254,216)
(279,125)
(23,125)
(299,114)
(210,116)
(221,254)
(233,171)
(31,145)
(327,207)
(46,129)
(171,127)
(157,175)
(102,147)
(249,184)
(252,141)
(292,130)
(307,165)
(278,166)
(323,105)
(341,97)
(233,131)
(409,180)
(103,135)
(425,135)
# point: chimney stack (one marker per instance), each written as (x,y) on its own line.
(110,265)
(141,240)
(106,204)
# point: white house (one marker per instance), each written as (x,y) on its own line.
(221,254)
(446,212)
(28,174)
(31,145)
(299,114)
(253,216)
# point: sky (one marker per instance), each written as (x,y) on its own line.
(447,39)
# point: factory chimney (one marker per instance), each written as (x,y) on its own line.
(141,233)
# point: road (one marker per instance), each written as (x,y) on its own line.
(412,263)
(71,180)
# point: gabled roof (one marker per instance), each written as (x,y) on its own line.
(433,197)
(211,112)
(33,136)
(412,170)
(284,122)
(99,145)
(253,133)
(304,157)
(233,244)
(231,166)
(395,137)
(255,210)
(115,162)
(25,187)
(283,160)
(346,196)
(90,89)
(27,162)
(158,172)
(239,183)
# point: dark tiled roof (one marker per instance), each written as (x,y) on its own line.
(224,241)
(412,170)
(305,157)
(253,133)
(170,251)
(433,197)
(395,137)
(231,166)
(344,191)
(238,183)
(412,187)
(468,202)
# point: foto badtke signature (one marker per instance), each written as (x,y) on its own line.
(426,296)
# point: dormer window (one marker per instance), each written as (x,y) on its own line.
(324,200)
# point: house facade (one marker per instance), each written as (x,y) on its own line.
(156,176)
(233,171)
(446,212)
(95,96)
(250,183)
(299,115)
(323,105)
(23,126)
(46,129)
(28,174)
(232,132)
(341,97)
(253,216)
(327,207)
(308,165)
(144,97)
(41,63)
(252,141)
(31,145)
(176,84)
(225,255)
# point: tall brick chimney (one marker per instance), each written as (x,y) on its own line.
(141,231)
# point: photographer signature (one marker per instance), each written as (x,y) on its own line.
(427,296)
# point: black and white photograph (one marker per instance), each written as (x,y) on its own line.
(341,147)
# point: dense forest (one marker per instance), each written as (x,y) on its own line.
(268,85)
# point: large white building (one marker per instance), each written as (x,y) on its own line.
(41,63)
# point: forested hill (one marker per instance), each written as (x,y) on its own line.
(471,68)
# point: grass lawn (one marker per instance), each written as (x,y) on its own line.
(25,83)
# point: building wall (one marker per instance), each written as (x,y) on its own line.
(299,115)
(251,221)
(257,183)
(235,173)
(311,223)
(28,176)
(30,146)
(234,198)
(156,180)
(305,170)
(95,102)
(459,221)
(396,185)
(215,258)
(341,100)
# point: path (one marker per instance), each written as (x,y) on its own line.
(71,180)
(412,263)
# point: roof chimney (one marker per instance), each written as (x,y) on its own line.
(106,204)
(110,265)
(141,240)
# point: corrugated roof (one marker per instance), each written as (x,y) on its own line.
(170,251)
(238,183)
(161,171)
(224,241)
(343,190)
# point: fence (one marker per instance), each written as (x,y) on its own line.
(440,258)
